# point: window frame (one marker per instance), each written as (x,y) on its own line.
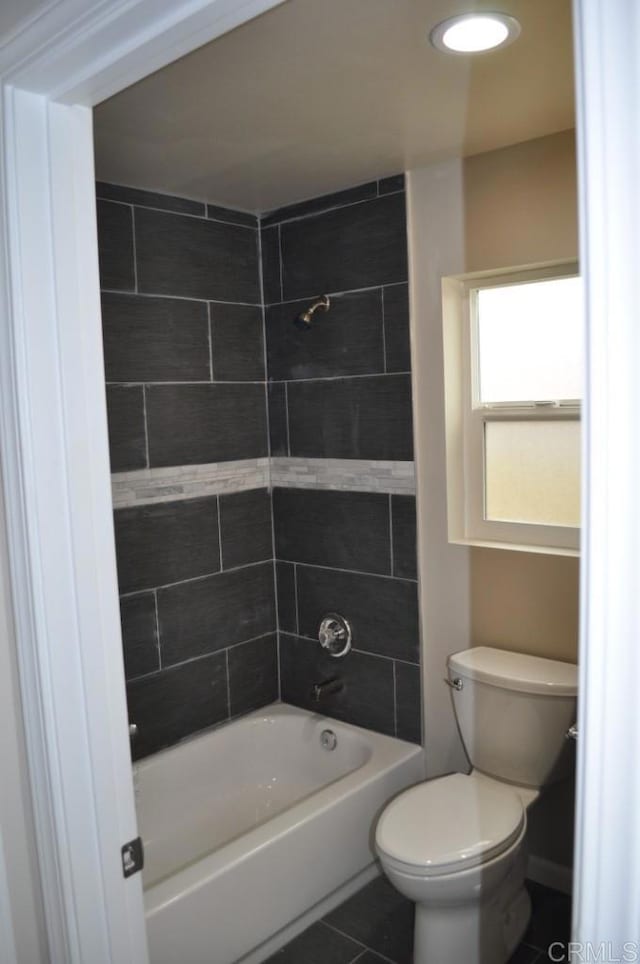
(466,417)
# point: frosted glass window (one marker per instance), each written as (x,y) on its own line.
(532,471)
(530,341)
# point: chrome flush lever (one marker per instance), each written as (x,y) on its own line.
(455,683)
(572,732)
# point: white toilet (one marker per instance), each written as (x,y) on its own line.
(455,844)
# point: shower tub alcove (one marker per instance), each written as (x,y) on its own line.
(255,829)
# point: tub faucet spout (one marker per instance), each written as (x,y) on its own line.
(327,688)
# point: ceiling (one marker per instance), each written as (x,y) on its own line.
(318,95)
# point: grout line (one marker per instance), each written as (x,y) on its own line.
(340,378)
(384,333)
(206,575)
(357,572)
(355,649)
(355,940)
(219,531)
(286,418)
(295,597)
(391,534)
(135,252)
(226,663)
(210,333)
(280,265)
(181,214)
(163,294)
(205,382)
(146,426)
(338,294)
(158,646)
(395,700)
(194,659)
(334,207)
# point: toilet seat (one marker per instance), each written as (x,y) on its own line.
(449,824)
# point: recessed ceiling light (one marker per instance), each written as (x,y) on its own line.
(472,33)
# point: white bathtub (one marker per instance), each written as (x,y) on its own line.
(248,828)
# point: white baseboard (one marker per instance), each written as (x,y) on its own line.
(550,874)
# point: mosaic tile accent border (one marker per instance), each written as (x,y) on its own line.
(351,475)
(187,481)
(146,486)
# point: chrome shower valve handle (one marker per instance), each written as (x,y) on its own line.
(335,635)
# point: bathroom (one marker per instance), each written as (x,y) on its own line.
(265,473)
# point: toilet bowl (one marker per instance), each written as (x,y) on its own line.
(456,844)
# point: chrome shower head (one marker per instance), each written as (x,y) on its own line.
(303,321)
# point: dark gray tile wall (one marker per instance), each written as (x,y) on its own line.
(184,355)
(342,389)
(182,319)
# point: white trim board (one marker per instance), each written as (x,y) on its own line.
(53,447)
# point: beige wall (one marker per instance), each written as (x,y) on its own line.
(520,208)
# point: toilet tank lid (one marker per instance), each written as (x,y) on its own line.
(516,671)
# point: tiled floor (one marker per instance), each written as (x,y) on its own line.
(375,926)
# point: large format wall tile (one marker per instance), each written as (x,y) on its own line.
(139,634)
(149,199)
(359,246)
(352,418)
(367,698)
(237,345)
(215,612)
(403,512)
(196,258)
(154,339)
(245,527)
(345,340)
(205,423)
(253,674)
(361,192)
(270,251)
(408,703)
(115,246)
(166,542)
(278,429)
(396,328)
(176,702)
(286,588)
(344,530)
(127,437)
(383,612)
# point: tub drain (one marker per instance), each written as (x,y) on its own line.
(328,740)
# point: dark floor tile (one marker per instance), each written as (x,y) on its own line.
(150,199)
(369,417)
(383,613)
(396,328)
(127,438)
(191,424)
(323,203)
(115,246)
(345,340)
(166,542)
(387,185)
(319,944)
(270,250)
(403,525)
(176,702)
(196,258)
(154,339)
(139,634)
(237,343)
(550,917)
(209,614)
(370,958)
(379,917)
(286,580)
(408,703)
(245,527)
(253,674)
(232,217)
(345,530)
(526,955)
(360,246)
(278,430)
(366,698)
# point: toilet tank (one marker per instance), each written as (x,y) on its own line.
(513,712)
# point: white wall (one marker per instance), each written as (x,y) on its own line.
(16,825)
